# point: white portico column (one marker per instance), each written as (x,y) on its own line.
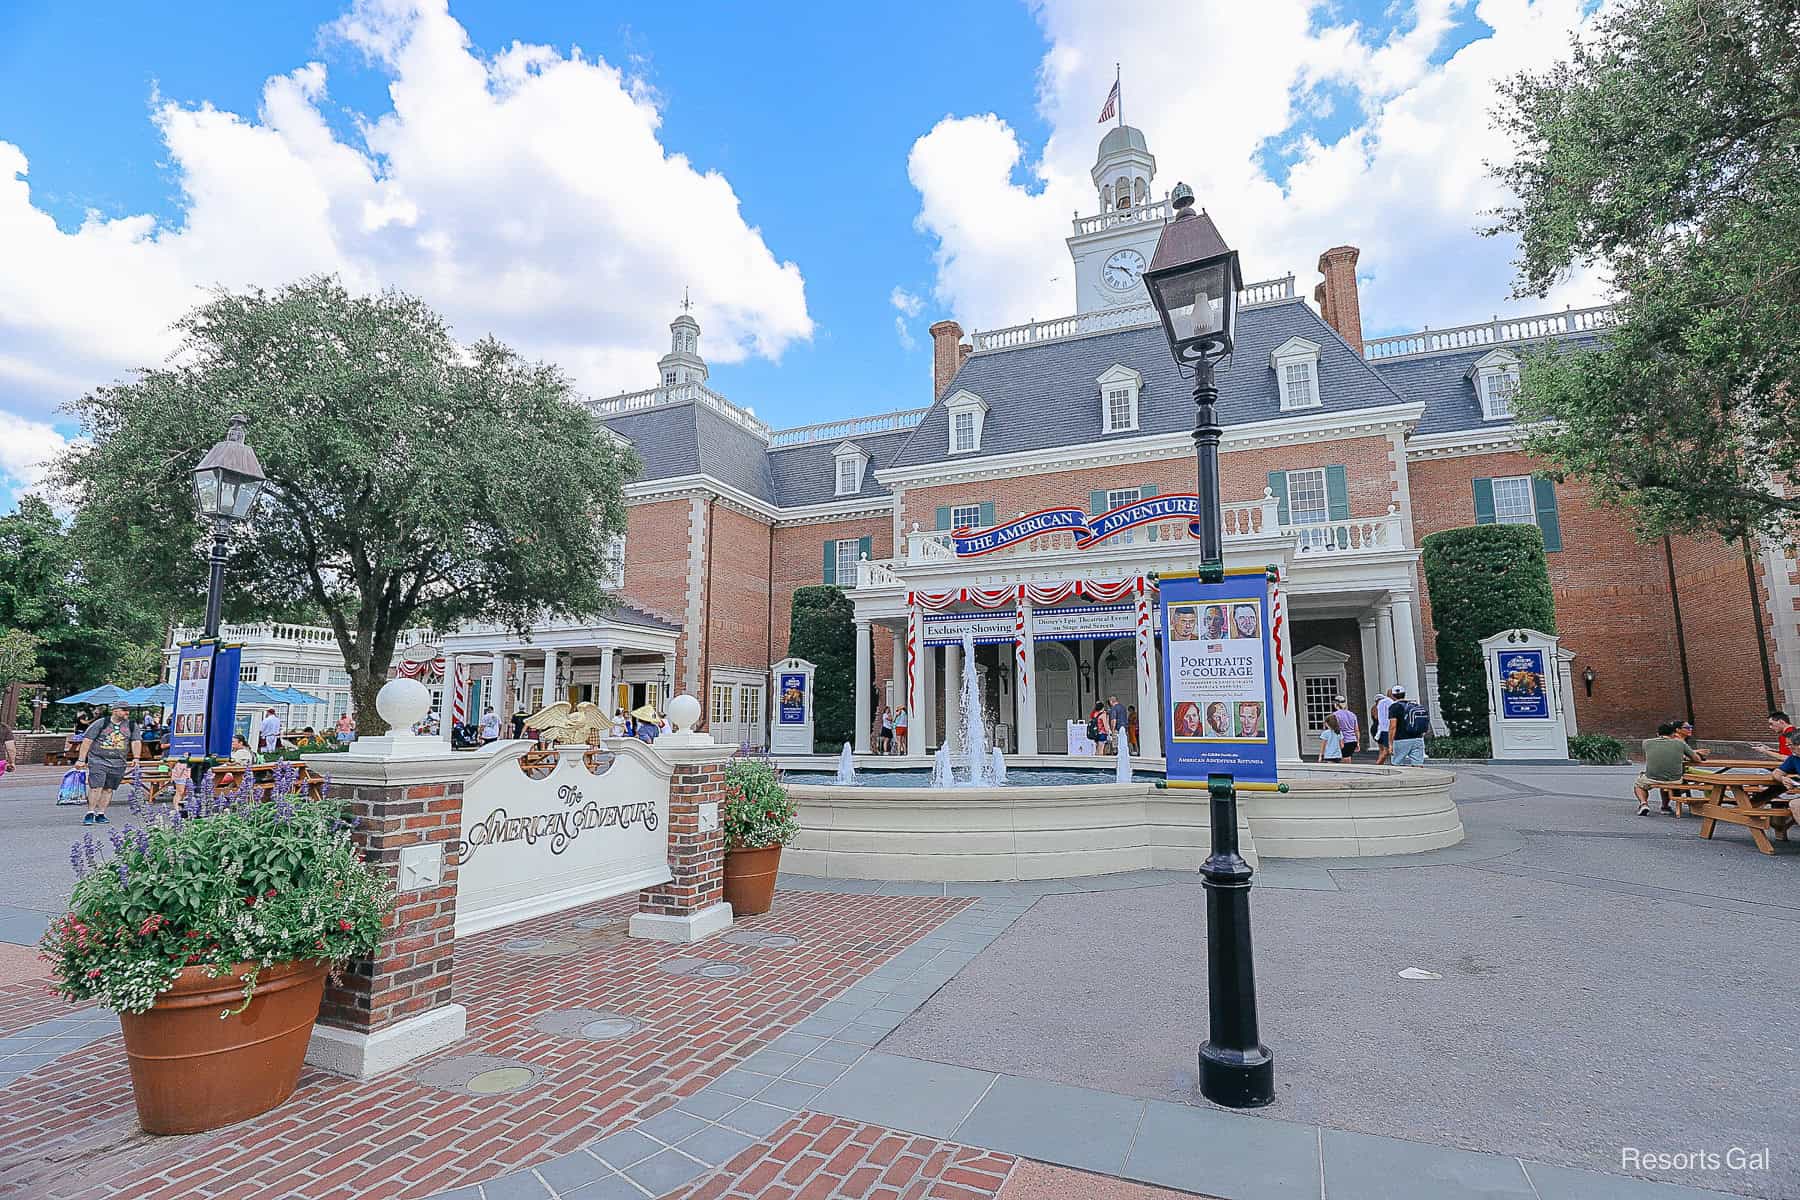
(1149,697)
(1287,724)
(550,696)
(1027,683)
(924,722)
(447,704)
(1384,648)
(605,693)
(497,685)
(953,698)
(912,659)
(863,716)
(1365,626)
(1406,653)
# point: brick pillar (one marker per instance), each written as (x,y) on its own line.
(395,1005)
(691,905)
(945,356)
(1337,296)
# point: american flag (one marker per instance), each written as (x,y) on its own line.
(1111,108)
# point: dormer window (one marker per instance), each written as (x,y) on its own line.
(1296,366)
(850,461)
(1496,378)
(966,411)
(1119,386)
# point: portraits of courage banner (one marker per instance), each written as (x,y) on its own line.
(1216,656)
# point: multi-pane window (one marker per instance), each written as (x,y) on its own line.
(614,575)
(749,705)
(1306,497)
(1118,410)
(1319,694)
(721,704)
(1120,497)
(846,476)
(1300,392)
(962,431)
(1512,501)
(247,674)
(844,555)
(965,516)
(296,674)
(1497,391)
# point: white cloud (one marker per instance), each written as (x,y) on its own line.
(526,194)
(909,304)
(907,340)
(1407,183)
(26,448)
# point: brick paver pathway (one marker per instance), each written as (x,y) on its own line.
(72,1131)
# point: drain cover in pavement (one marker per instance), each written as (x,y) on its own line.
(479,1074)
(767,941)
(591,1023)
(719,970)
(704,968)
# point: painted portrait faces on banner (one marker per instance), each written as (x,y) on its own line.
(1216,663)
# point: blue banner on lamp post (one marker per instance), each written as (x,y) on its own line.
(1216,666)
(224,701)
(193,700)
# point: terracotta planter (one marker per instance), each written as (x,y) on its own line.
(750,879)
(191,1071)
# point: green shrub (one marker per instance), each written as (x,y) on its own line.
(1482,580)
(823,632)
(757,811)
(1458,747)
(1598,749)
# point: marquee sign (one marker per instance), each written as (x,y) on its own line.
(1088,531)
(1077,623)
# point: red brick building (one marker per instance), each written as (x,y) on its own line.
(1339,454)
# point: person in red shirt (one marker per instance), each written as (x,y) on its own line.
(1783,729)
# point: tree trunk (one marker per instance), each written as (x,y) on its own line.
(364,684)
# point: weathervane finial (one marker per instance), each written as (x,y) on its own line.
(685,302)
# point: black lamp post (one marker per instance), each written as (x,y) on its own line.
(226,485)
(1194,282)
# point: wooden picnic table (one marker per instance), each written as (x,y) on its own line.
(1727,791)
(227,777)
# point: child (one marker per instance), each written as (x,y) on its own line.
(1331,740)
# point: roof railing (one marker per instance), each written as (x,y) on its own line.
(678,393)
(831,431)
(1491,333)
(1266,291)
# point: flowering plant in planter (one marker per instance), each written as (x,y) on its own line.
(757,811)
(223,880)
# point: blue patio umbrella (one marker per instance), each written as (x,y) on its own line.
(160,695)
(296,696)
(106,693)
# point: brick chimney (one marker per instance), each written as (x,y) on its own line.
(945,356)
(1337,298)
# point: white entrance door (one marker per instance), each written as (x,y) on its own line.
(1057,703)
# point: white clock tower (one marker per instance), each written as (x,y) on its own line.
(1112,249)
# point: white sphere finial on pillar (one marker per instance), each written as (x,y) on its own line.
(683,712)
(402,703)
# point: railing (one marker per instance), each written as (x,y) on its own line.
(1155,211)
(1491,333)
(679,393)
(873,574)
(1352,535)
(831,431)
(299,635)
(1266,291)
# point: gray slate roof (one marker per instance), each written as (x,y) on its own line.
(627,613)
(693,439)
(1442,382)
(1046,395)
(807,474)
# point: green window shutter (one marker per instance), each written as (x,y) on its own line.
(830,562)
(1278,485)
(987,513)
(1096,503)
(1543,498)
(865,547)
(1145,491)
(1484,501)
(943,518)
(1337,493)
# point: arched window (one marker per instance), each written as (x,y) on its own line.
(1123,191)
(1106,197)
(1140,190)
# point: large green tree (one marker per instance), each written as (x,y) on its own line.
(1663,153)
(412,480)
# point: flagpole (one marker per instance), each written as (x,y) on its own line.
(1118,85)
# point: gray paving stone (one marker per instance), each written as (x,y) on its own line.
(788,1094)
(817,1026)
(739,1082)
(1361,1166)
(520,1185)
(665,1172)
(1246,1158)
(1076,1127)
(758,1119)
(1568,1183)
(861,1036)
(716,1145)
(570,1171)
(624,1148)
(462,1193)
(796,1043)
(607,1187)
(771,1062)
(838,1052)
(905,1093)
(669,1126)
(816,1070)
(710,1103)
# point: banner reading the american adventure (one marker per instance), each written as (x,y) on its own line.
(1216,656)
(193,697)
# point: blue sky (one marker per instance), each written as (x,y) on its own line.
(823,119)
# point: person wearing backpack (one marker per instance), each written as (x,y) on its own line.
(1408,723)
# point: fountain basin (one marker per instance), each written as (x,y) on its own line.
(896,829)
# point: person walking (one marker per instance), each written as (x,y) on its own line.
(1115,720)
(1131,728)
(268,734)
(346,728)
(885,741)
(1383,733)
(1407,726)
(1331,740)
(490,727)
(1097,728)
(105,746)
(1347,727)
(900,730)
(1666,757)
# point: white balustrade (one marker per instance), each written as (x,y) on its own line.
(874,573)
(1351,535)
(1031,333)
(1156,211)
(1492,333)
(831,431)
(678,393)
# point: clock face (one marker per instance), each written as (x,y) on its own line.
(1123,270)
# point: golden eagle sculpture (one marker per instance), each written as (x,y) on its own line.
(561,724)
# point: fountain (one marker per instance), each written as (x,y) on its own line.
(1124,774)
(846,772)
(941,776)
(999,766)
(974,722)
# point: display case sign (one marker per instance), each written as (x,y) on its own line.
(791,704)
(1216,654)
(1520,684)
(193,700)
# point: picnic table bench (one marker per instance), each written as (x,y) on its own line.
(1725,790)
(227,777)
